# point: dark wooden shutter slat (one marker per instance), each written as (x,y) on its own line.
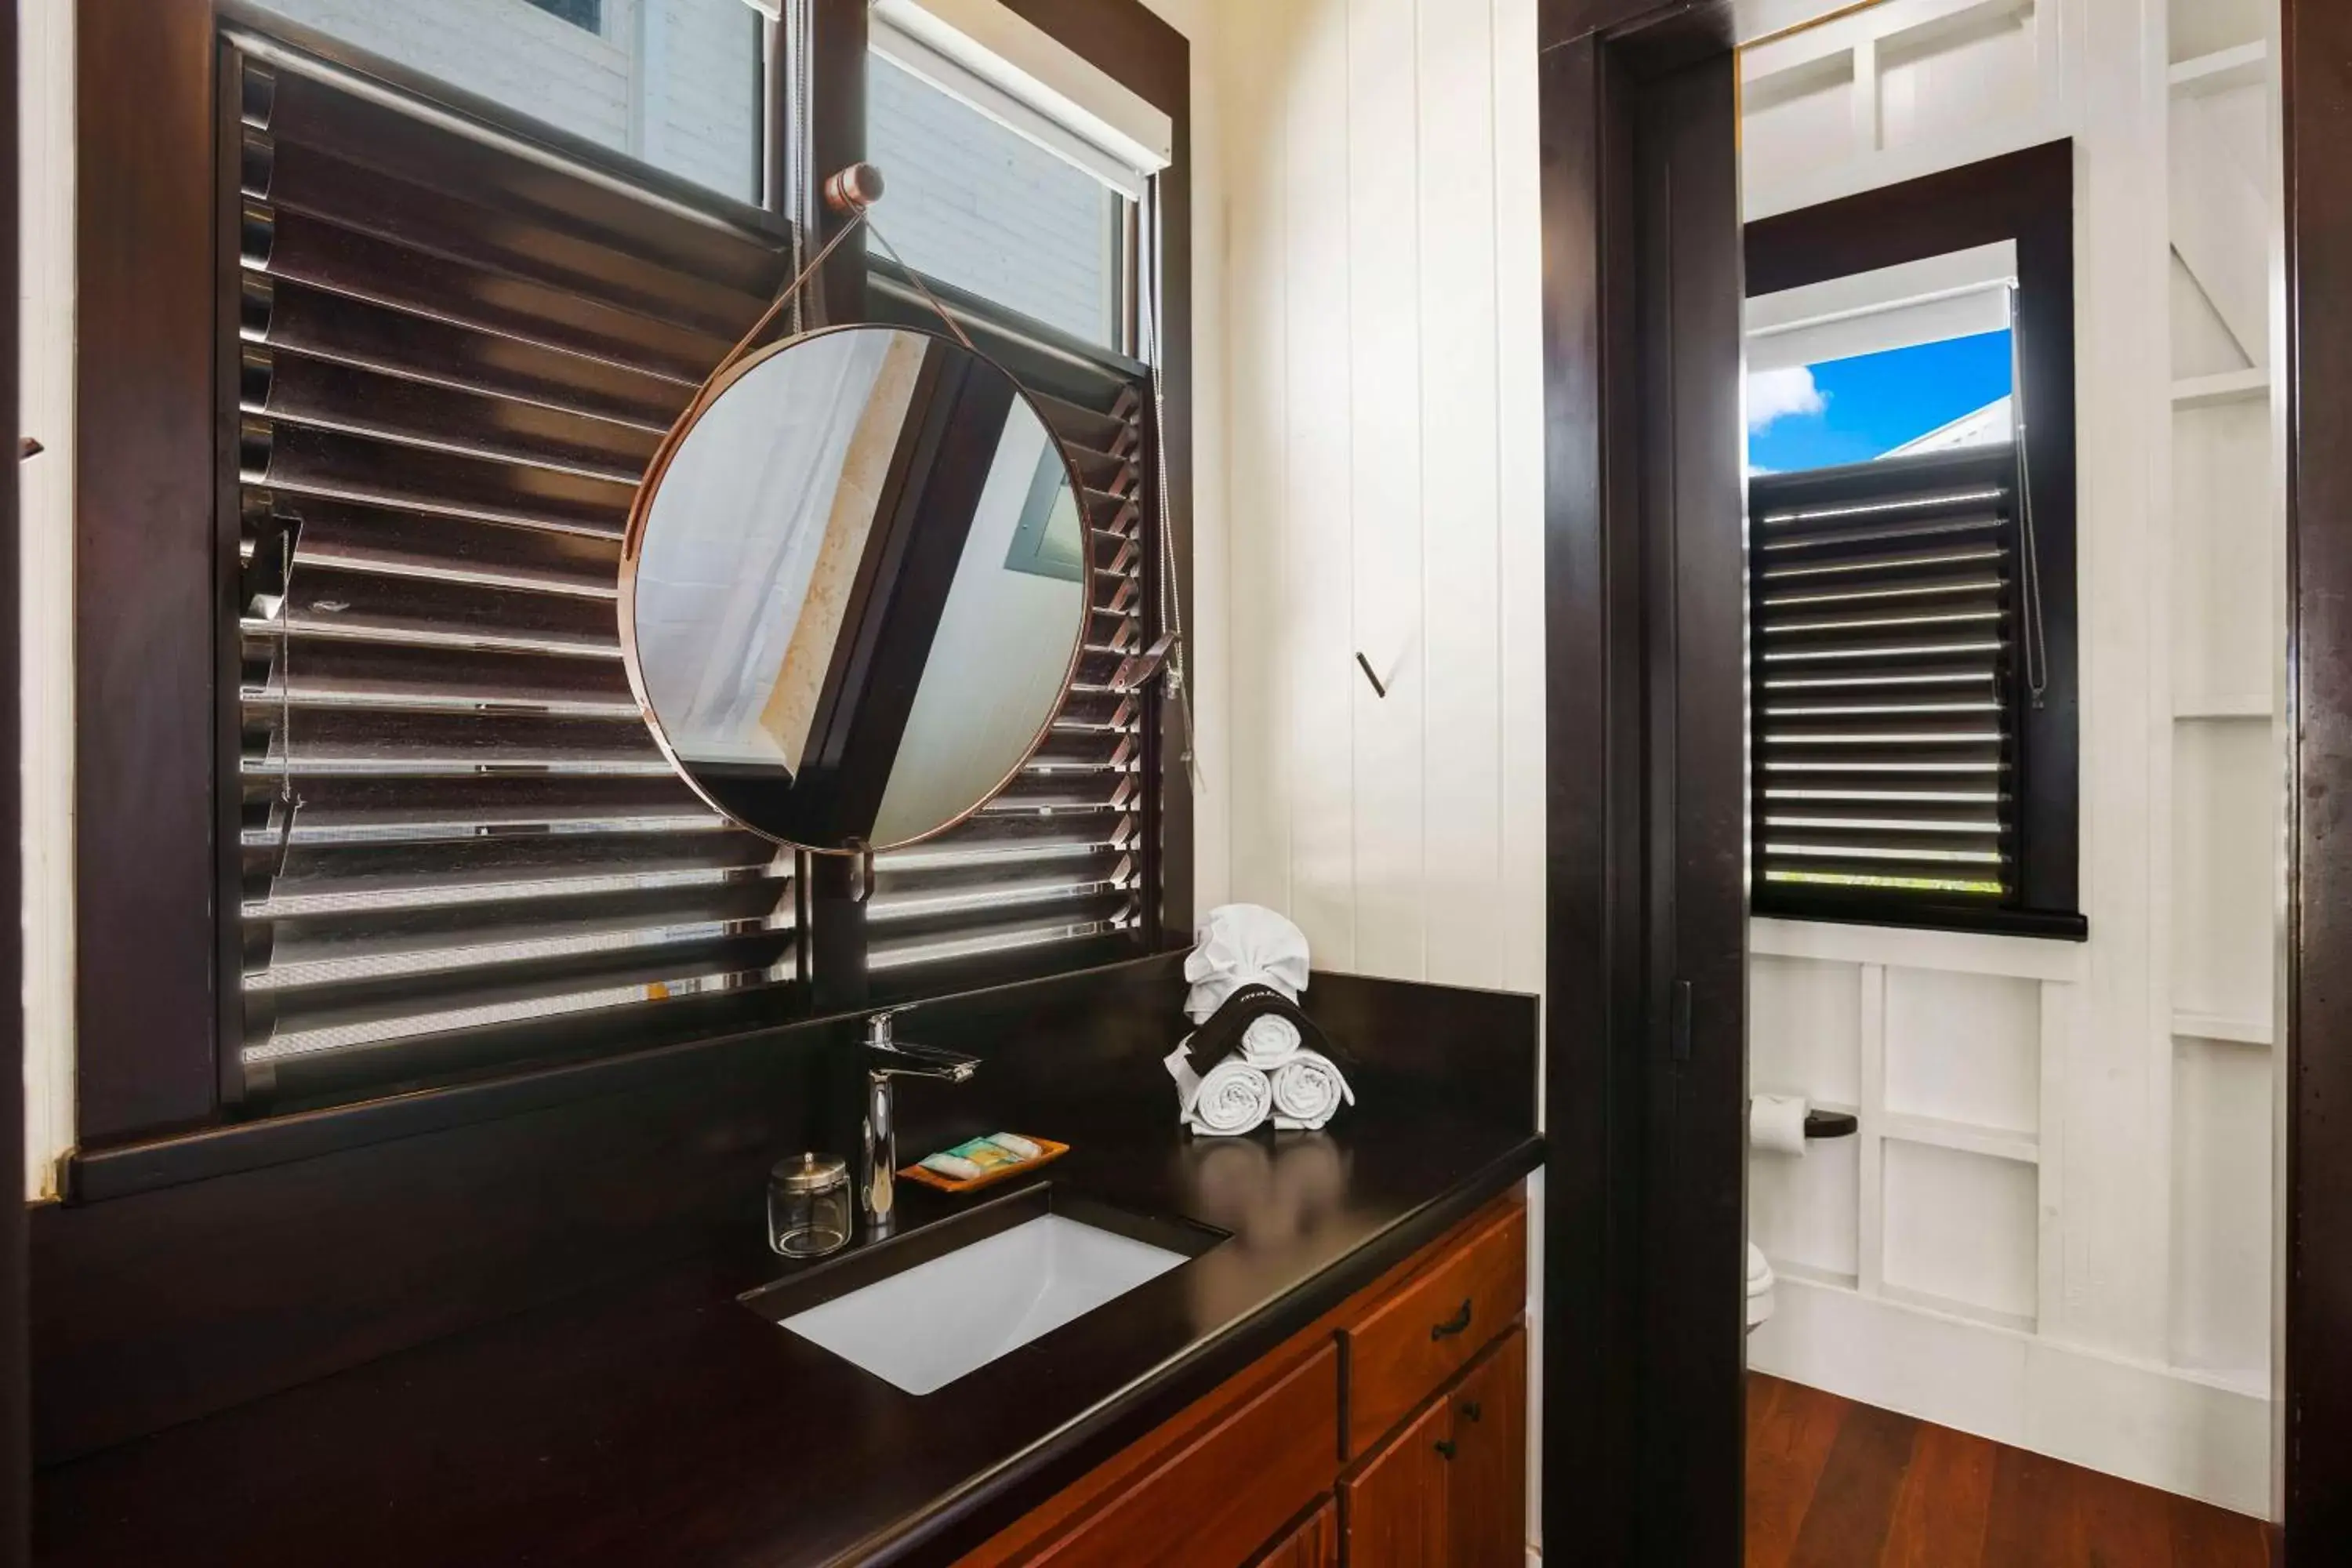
(351,330)
(1051,873)
(1887,629)
(299,388)
(320,115)
(459,843)
(433,223)
(308,249)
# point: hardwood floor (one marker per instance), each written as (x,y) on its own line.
(1835,1484)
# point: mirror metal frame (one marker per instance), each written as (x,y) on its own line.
(734,368)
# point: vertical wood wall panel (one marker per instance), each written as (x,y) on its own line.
(1385,482)
(1385,240)
(1318,520)
(1519,467)
(1460,596)
(1257,586)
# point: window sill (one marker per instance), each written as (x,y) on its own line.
(2028,957)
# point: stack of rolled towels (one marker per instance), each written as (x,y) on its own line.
(1253,1056)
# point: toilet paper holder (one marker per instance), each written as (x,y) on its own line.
(1829,1124)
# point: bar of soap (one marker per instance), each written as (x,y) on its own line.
(1019,1146)
(954,1167)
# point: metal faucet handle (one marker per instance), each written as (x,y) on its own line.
(878,1024)
(907,1059)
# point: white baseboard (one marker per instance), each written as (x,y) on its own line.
(2201,1437)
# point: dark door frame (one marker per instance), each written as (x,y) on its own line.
(2313,1412)
(1645,889)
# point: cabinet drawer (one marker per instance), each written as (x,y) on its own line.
(1220,1497)
(1433,1324)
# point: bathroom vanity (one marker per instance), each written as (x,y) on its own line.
(553,1336)
(1391,1431)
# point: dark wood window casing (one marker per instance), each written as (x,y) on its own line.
(1907,766)
(398,423)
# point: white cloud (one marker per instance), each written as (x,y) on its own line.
(1782,393)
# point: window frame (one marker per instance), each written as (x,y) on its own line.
(155,930)
(1121,230)
(2026,197)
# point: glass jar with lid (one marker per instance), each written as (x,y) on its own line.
(808,1205)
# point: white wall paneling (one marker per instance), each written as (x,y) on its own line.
(2061,1204)
(1965,1048)
(1385,489)
(2202,28)
(1891,91)
(2221,1209)
(1804,1017)
(2185,1432)
(45,148)
(2224,835)
(1960,1231)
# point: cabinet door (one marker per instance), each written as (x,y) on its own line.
(1487,1483)
(1217,1498)
(1395,1506)
(1314,1544)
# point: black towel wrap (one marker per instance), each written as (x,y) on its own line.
(1217,1038)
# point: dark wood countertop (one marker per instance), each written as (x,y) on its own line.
(660,1420)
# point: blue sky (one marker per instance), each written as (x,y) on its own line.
(1852,410)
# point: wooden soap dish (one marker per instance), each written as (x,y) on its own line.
(1048,1151)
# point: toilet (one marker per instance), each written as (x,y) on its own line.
(1759,1286)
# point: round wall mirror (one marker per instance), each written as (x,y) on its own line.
(853,595)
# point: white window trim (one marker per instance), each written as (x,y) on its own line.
(1009,69)
(1938,297)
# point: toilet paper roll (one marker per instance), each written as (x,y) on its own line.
(1776,1122)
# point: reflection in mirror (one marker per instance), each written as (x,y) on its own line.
(853,596)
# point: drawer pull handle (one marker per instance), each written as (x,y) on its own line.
(1445,1448)
(1471,1409)
(1452,1325)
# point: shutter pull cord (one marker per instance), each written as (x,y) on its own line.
(2037,651)
(1172,616)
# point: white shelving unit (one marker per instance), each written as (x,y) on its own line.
(2219,770)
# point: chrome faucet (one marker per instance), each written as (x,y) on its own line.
(887,1058)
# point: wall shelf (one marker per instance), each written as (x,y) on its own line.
(2241,65)
(2221,1027)
(1969,1138)
(2228,386)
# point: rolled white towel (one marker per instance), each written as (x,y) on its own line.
(1229,1100)
(1243,944)
(1307,1090)
(1269,1041)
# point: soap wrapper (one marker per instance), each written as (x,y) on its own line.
(976,1157)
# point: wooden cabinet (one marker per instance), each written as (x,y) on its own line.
(1395,1507)
(1450,1488)
(1428,1470)
(1487,1483)
(1315,1543)
(1407,1344)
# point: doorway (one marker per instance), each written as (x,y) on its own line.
(2165,1247)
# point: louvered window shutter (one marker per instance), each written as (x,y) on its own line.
(1050,875)
(451,360)
(1888,635)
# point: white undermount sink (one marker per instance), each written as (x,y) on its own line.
(927,1326)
